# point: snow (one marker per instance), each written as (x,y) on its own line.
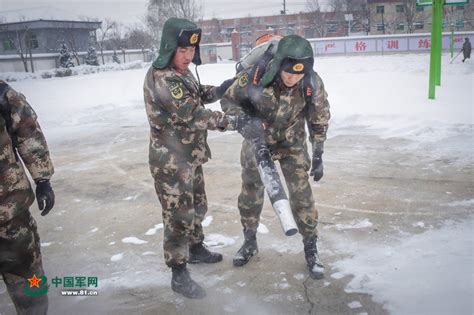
(218,240)
(133,240)
(299,276)
(207,221)
(354,304)
(62,72)
(153,231)
(437,265)
(419,224)
(462,203)
(387,97)
(262,228)
(116,257)
(358,224)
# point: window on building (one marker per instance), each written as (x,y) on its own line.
(380,9)
(400,27)
(420,8)
(379,27)
(92,38)
(419,25)
(308,33)
(31,40)
(8,44)
(400,8)
(460,7)
(460,24)
(332,27)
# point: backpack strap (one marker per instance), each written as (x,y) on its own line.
(309,89)
(258,70)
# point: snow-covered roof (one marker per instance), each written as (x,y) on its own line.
(40,13)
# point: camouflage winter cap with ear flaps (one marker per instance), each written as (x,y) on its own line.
(177,33)
(294,51)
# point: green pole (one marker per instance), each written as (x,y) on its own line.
(432,80)
(440,41)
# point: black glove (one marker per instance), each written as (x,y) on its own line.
(249,127)
(317,163)
(220,90)
(44,196)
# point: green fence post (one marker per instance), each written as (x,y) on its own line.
(440,40)
(432,79)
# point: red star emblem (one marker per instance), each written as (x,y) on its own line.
(34,281)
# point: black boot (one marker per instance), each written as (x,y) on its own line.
(247,250)
(316,268)
(181,282)
(200,254)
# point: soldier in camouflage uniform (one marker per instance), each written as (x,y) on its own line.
(21,139)
(179,122)
(291,94)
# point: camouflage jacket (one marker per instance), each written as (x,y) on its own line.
(284,111)
(178,119)
(27,143)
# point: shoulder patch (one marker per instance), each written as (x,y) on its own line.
(176,90)
(243,79)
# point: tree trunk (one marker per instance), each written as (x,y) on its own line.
(102,54)
(25,63)
(31,61)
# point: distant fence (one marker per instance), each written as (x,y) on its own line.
(13,63)
(211,53)
(384,43)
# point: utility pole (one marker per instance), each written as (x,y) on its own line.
(284,8)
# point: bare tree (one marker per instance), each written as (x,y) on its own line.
(137,37)
(20,46)
(160,10)
(107,26)
(117,38)
(456,17)
(70,38)
(359,10)
(338,5)
(411,15)
(19,40)
(318,21)
(313,5)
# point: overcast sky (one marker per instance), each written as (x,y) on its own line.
(130,12)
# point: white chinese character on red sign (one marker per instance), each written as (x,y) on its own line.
(361,46)
(423,43)
(392,44)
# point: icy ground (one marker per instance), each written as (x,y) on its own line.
(395,205)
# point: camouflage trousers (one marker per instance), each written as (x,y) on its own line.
(295,164)
(20,259)
(183,199)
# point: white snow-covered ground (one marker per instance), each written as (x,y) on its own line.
(385,96)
